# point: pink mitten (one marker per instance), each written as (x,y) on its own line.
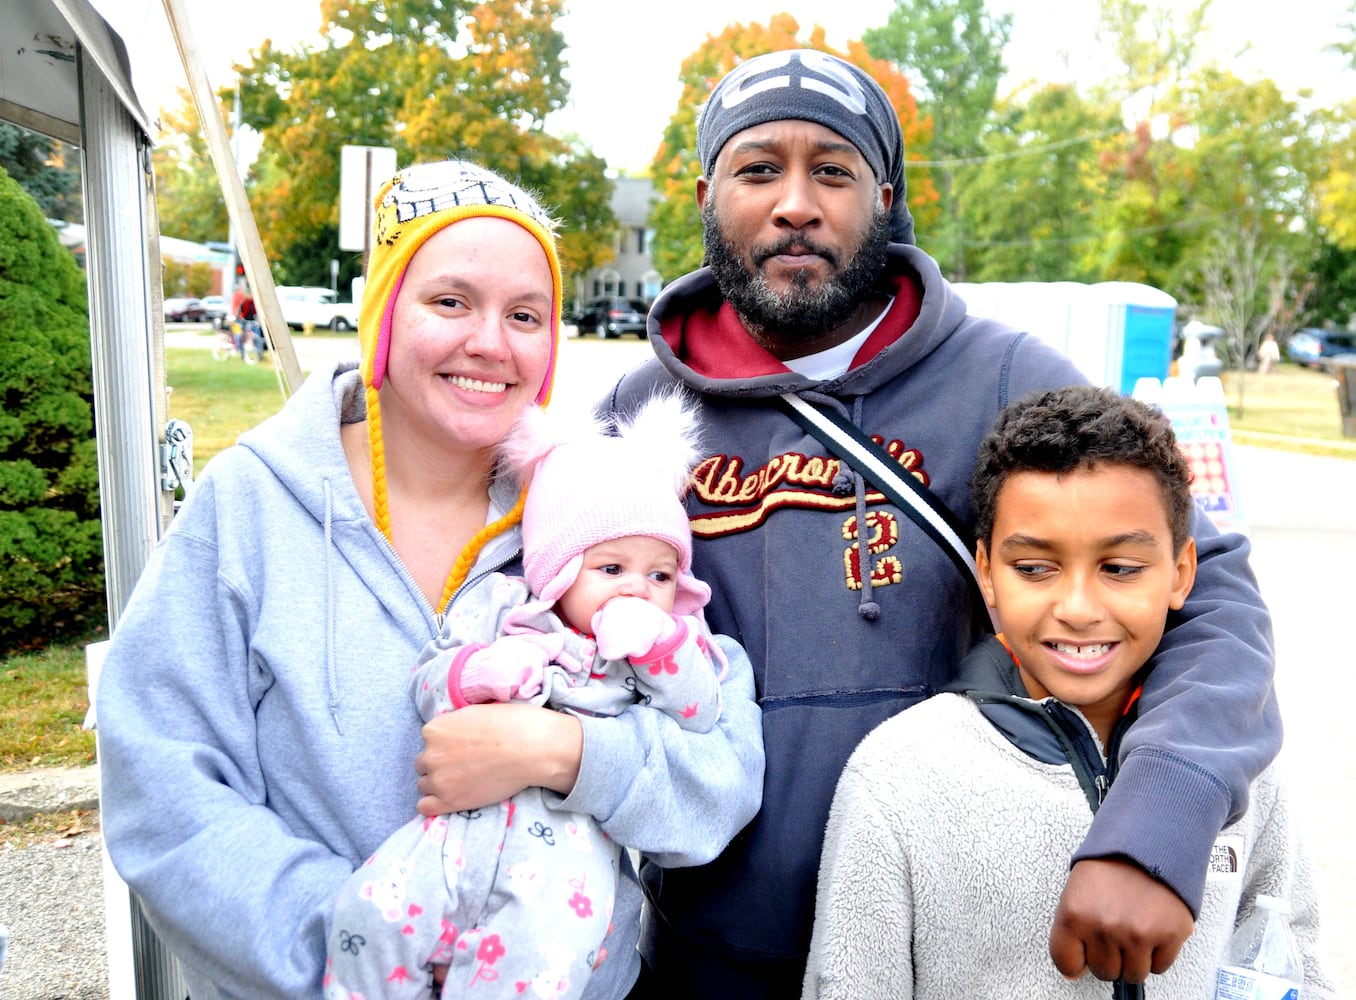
(510,667)
(629,626)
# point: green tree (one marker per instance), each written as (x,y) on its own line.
(1211,161)
(1247,286)
(1144,208)
(1027,203)
(432,79)
(1156,45)
(1334,297)
(951,51)
(189,200)
(1140,212)
(47,169)
(1243,162)
(51,550)
(1335,189)
(1248,162)
(677,245)
(1347,46)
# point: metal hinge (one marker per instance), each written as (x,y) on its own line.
(176,456)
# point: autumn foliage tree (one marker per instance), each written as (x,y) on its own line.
(677,245)
(432,79)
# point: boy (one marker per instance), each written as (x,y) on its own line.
(953,823)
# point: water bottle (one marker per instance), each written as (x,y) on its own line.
(1262,961)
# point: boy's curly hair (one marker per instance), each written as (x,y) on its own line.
(1079,427)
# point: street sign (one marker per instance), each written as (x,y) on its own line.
(362,170)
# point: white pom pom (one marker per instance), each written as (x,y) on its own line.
(535,433)
(664,434)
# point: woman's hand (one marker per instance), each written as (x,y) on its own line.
(482,754)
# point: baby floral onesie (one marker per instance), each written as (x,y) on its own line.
(516,898)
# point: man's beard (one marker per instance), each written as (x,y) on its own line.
(803,312)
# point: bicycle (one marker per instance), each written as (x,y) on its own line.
(238,339)
(223,344)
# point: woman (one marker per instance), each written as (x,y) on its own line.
(255,732)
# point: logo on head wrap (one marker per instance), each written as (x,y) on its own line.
(833,80)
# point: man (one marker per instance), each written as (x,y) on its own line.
(850,614)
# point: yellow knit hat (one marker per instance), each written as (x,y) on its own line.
(416,203)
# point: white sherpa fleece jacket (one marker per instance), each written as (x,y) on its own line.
(946,852)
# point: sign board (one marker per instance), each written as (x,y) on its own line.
(1200,421)
(362,170)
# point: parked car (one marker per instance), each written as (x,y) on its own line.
(216,306)
(1314,347)
(314,305)
(184,310)
(612,315)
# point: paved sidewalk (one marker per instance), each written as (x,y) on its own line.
(47,790)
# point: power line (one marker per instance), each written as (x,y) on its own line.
(972,161)
(1099,235)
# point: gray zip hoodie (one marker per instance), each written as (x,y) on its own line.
(256,735)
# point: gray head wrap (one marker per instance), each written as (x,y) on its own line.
(813,86)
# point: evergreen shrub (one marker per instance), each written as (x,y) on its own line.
(51,547)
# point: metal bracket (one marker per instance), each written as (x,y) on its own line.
(176,456)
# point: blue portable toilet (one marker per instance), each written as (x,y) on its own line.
(1123,333)
(1116,332)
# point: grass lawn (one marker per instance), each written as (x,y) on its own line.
(1292,408)
(219,399)
(42,706)
(42,695)
(43,700)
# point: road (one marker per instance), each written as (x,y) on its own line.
(1297,513)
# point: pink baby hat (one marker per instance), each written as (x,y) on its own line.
(587,486)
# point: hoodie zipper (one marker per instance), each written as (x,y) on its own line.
(437,616)
(1085,758)
(1103,772)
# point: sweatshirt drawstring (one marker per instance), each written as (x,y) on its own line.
(331,639)
(850,479)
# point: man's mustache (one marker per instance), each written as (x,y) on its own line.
(793,245)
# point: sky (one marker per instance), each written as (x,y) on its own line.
(624,56)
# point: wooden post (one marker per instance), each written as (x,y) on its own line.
(237,205)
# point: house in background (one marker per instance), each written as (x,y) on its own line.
(631,273)
(216,256)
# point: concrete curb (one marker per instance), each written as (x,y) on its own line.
(24,794)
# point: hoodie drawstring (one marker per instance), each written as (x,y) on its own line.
(331,639)
(850,479)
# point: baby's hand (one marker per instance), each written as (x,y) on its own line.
(630,627)
(510,667)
